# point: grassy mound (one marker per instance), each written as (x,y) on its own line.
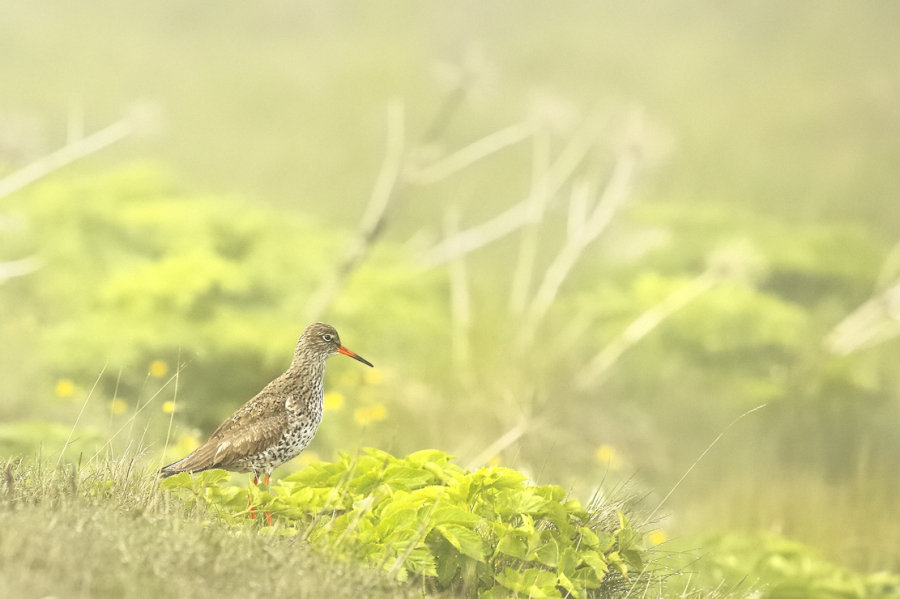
(107,531)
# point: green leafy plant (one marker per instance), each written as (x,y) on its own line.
(779,568)
(489,533)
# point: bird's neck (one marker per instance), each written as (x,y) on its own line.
(307,373)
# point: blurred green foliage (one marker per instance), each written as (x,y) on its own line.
(136,272)
(776,567)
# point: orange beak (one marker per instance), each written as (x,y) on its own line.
(347,352)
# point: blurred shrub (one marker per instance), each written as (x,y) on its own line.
(138,273)
(779,568)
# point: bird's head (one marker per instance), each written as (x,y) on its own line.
(323,339)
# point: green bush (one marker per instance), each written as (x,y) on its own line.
(489,533)
(136,271)
(778,568)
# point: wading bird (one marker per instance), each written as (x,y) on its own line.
(277,424)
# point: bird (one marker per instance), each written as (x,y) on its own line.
(279,422)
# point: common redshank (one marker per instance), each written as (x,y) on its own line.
(277,424)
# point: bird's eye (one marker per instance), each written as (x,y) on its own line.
(327,337)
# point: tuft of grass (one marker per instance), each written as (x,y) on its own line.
(107,531)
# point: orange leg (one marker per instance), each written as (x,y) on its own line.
(268,515)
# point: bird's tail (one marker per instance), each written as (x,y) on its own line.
(170,470)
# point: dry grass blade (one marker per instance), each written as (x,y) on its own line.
(504,441)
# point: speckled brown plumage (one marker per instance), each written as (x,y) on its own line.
(277,424)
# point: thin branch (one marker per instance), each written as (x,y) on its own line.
(615,193)
(66,155)
(517,215)
(472,153)
(874,322)
(528,244)
(890,270)
(374,218)
(642,326)
(18,268)
(460,307)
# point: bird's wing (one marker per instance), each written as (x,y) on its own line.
(255,426)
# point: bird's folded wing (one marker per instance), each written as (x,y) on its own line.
(236,442)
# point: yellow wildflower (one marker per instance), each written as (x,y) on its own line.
(374,413)
(373,376)
(607,454)
(117,406)
(333,401)
(158,368)
(168,407)
(658,537)
(187,444)
(65,388)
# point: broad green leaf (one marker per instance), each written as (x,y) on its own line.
(511,545)
(615,560)
(569,560)
(447,567)
(402,477)
(510,503)
(575,590)
(465,540)
(445,514)
(588,538)
(178,481)
(596,562)
(533,582)
(547,554)
(606,540)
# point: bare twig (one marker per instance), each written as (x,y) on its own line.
(874,322)
(615,193)
(18,268)
(521,283)
(472,153)
(641,327)
(374,218)
(890,270)
(66,155)
(460,310)
(519,214)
